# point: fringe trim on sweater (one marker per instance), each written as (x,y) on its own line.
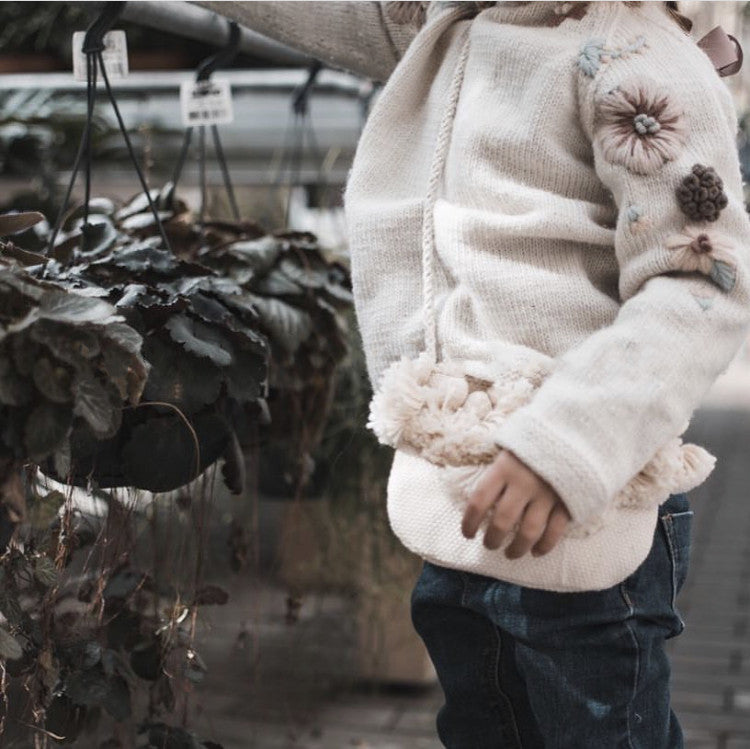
(450,418)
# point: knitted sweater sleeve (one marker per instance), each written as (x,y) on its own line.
(662,127)
(356,36)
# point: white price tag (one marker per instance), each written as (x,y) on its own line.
(206,102)
(115,56)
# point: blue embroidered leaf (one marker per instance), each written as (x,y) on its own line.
(589,56)
(724,275)
(634,212)
(705,303)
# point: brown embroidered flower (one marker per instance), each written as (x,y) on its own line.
(639,127)
(713,254)
(701,194)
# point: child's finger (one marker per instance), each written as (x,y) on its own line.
(532,527)
(506,514)
(556,525)
(491,485)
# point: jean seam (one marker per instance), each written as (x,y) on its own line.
(510,713)
(673,558)
(629,627)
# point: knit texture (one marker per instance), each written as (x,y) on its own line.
(360,37)
(567,230)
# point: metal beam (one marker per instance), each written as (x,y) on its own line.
(194,22)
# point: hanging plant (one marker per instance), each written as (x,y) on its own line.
(208,357)
(295,297)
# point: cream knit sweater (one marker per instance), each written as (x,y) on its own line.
(548,200)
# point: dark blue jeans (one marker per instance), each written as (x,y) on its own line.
(536,669)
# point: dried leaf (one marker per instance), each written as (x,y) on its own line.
(13,223)
(211,595)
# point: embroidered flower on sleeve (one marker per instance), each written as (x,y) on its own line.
(594,52)
(639,126)
(701,194)
(695,249)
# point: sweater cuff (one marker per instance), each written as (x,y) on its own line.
(553,457)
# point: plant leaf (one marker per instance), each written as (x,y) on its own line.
(63,306)
(10,649)
(98,236)
(53,381)
(46,429)
(288,326)
(14,389)
(45,571)
(260,254)
(199,339)
(169,380)
(125,336)
(93,403)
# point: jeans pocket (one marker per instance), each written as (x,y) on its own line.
(678,528)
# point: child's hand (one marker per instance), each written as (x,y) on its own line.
(526,498)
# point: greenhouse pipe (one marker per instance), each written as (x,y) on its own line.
(194,22)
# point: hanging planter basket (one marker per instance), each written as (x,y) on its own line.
(208,357)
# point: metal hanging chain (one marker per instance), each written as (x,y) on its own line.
(131,151)
(203,73)
(225,173)
(294,140)
(93,48)
(90,101)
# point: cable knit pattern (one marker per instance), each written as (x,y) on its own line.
(560,241)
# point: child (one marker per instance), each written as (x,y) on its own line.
(549,251)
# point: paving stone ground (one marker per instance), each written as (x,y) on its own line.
(285,687)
